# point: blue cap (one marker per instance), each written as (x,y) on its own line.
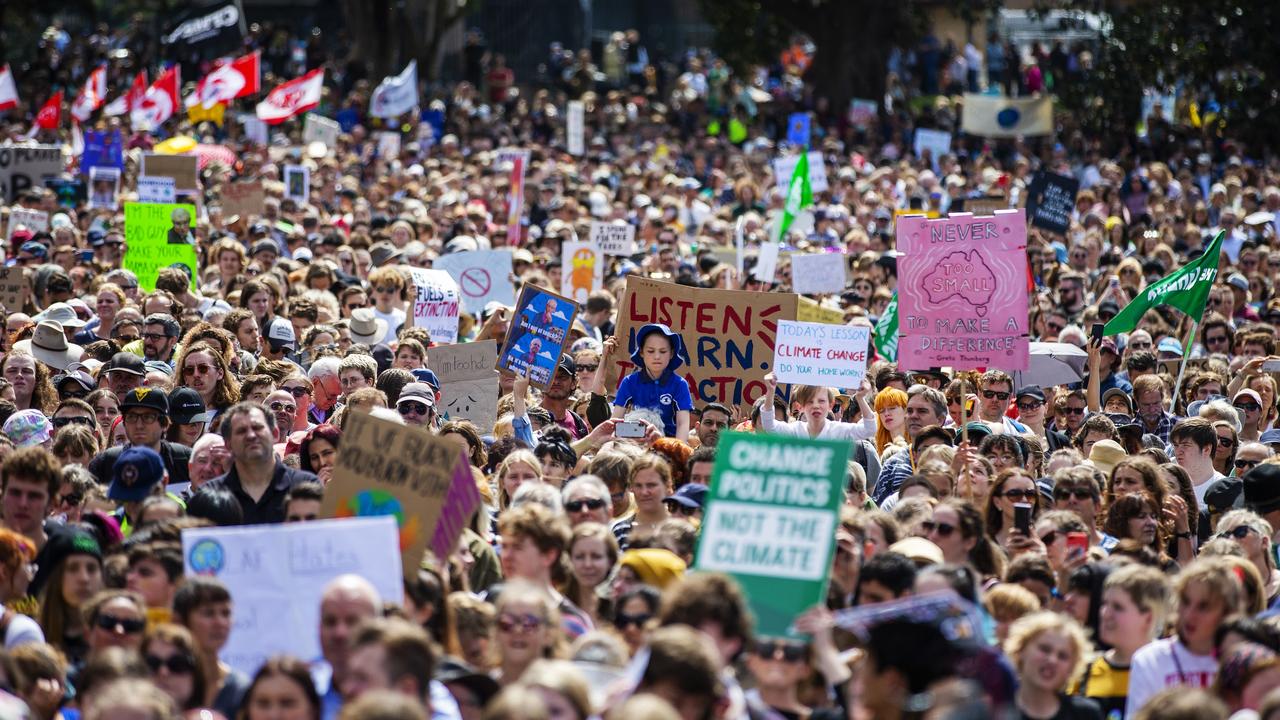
(690,495)
(426,376)
(137,470)
(1270,436)
(1170,345)
(35,248)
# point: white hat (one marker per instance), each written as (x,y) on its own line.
(367,328)
(49,345)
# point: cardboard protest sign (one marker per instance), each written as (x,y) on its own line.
(154,243)
(1050,201)
(156,189)
(277,573)
(538,334)
(468,382)
(817,273)
(27,166)
(318,128)
(436,305)
(13,288)
(823,355)
(102,149)
(104,183)
(729,335)
(582,271)
(962,292)
(390,469)
(808,310)
(982,205)
(483,276)
(182,168)
(614,238)
(783,167)
(770,522)
(297,182)
(33,220)
(244,199)
(575,130)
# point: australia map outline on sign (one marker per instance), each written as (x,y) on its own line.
(963,275)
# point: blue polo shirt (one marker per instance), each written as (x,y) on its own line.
(666,395)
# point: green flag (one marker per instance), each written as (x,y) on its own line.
(885,334)
(799,194)
(1186,289)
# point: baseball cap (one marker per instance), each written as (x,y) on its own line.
(84,379)
(1030,391)
(1235,280)
(567,364)
(127,362)
(136,471)
(690,495)
(146,397)
(35,248)
(280,334)
(187,407)
(418,392)
(265,246)
(1170,345)
(427,376)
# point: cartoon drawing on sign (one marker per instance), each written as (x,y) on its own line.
(582,274)
(964,276)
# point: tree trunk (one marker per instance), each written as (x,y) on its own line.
(853,46)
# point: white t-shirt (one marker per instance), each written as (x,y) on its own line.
(394,319)
(1166,663)
(22,630)
(1203,487)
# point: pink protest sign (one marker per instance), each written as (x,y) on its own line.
(962,291)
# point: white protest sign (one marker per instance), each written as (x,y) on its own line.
(614,238)
(24,167)
(277,573)
(157,189)
(815,273)
(582,269)
(388,145)
(575,132)
(783,167)
(318,128)
(468,381)
(937,142)
(254,129)
(767,262)
(297,182)
(33,220)
(483,276)
(436,305)
(812,353)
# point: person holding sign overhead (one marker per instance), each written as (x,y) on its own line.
(815,409)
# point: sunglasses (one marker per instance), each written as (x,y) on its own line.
(1049,537)
(523,623)
(790,651)
(587,368)
(1073,411)
(1077,493)
(678,509)
(622,621)
(412,408)
(1242,464)
(1247,407)
(995,395)
(190,370)
(281,407)
(175,664)
(941,528)
(297,391)
(385,289)
(72,499)
(1226,442)
(580,505)
(60,422)
(1019,493)
(128,626)
(154,336)
(1236,533)
(1029,406)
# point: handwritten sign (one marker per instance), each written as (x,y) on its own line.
(156,189)
(817,273)
(537,335)
(614,238)
(28,166)
(468,382)
(182,168)
(277,574)
(245,199)
(436,305)
(729,335)
(384,468)
(13,288)
(583,270)
(936,142)
(317,128)
(33,220)
(783,167)
(962,294)
(1051,199)
(147,230)
(483,276)
(823,355)
(810,311)
(575,131)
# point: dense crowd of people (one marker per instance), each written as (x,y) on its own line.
(1116,536)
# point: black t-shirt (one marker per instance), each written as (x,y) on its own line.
(1071,708)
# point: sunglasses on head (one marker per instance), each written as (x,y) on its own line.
(943,529)
(768,649)
(580,505)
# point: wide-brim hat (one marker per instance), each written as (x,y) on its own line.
(49,345)
(367,328)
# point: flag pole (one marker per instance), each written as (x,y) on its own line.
(1182,368)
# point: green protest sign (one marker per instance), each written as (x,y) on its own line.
(771,521)
(154,234)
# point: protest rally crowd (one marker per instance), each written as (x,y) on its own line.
(1086,531)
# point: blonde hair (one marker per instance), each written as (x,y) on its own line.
(518,456)
(1009,601)
(1147,587)
(564,678)
(1028,627)
(1219,578)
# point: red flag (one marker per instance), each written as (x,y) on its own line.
(158,103)
(92,96)
(237,78)
(291,98)
(50,116)
(130,99)
(8,89)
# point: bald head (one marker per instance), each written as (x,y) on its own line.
(347,601)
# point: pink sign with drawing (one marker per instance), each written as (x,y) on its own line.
(962,291)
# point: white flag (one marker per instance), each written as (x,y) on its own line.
(8,90)
(1005,117)
(396,95)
